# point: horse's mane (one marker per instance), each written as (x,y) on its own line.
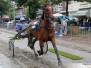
(42,17)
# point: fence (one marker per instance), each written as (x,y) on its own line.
(72,31)
(79,31)
(76,32)
(6,25)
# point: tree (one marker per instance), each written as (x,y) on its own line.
(27,12)
(33,6)
(4,5)
(10,13)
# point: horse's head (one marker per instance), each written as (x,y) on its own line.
(48,11)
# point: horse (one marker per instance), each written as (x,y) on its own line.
(44,32)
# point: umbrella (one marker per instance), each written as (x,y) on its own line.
(67,17)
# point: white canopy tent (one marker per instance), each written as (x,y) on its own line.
(57,15)
(81,13)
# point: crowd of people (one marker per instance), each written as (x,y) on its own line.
(85,22)
(63,24)
(61,27)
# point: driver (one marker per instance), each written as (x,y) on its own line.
(22,25)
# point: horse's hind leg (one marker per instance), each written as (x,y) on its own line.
(36,55)
(32,43)
(58,58)
(32,47)
(29,40)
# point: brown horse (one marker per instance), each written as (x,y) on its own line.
(44,33)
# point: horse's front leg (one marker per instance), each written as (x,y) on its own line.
(40,52)
(56,51)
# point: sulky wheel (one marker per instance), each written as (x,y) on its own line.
(11,47)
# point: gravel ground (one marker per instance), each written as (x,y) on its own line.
(24,57)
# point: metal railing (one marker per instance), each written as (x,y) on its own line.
(72,31)
(9,26)
(75,31)
(84,32)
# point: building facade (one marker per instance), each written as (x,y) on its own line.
(73,8)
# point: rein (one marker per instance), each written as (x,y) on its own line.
(48,28)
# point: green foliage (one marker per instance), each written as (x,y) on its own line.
(56,1)
(4,5)
(68,55)
(10,13)
(27,12)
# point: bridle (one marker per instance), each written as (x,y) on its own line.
(47,13)
(47,16)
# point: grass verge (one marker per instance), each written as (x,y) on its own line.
(68,55)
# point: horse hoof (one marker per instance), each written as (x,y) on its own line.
(61,65)
(31,47)
(36,57)
(40,53)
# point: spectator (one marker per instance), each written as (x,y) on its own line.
(63,26)
(59,21)
(89,21)
(56,28)
(84,22)
(81,22)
